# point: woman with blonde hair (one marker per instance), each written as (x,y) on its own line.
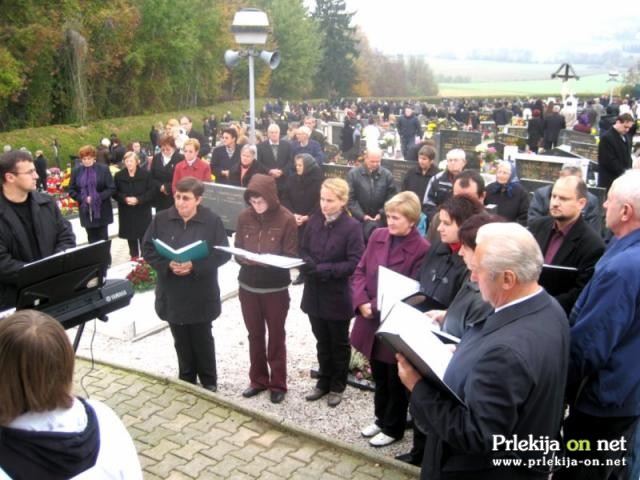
(331,247)
(400,248)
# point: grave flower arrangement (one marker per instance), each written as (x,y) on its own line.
(387,141)
(143,277)
(359,366)
(57,183)
(488,158)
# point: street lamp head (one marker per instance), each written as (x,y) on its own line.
(250,26)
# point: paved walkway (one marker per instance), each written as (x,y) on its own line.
(184,432)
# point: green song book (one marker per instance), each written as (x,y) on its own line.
(193,251)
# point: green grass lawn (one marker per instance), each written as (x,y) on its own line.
(590,85)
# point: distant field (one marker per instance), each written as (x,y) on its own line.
(593,84)
(485,71)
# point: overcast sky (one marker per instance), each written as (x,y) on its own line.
(426,27)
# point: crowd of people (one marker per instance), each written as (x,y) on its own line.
(476,250)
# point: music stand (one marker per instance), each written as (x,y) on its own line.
(62,277)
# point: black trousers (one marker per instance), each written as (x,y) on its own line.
(389,399)
(196,352)
(334,352)
(580,426)
(96,234)
(134,247)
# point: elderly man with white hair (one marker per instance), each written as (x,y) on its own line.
(509,371)
(603,387)
(304,144)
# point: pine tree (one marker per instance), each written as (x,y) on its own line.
(337,74)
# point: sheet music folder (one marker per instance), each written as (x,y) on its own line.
(407,331)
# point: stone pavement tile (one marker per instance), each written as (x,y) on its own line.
(374,471)
(141,398)
(156,436)
(160,449)
(218,450)
(306,452)
(308,475)
(168,396)
(269,476)
(179,422)
(210,474)
(238,475)
(168,464)
(147,410)
(177,406)
(268,438)
(277,452)
(207,421)
(144,460)
(190,449)
(135,388)
(242,436)
(286,467)
(215,436)
(248,451)
(230,424)
(345,466)
(317,467)
(199,409)
(256,466)
(225,466)
(195,466)
(179,476)
(151,423)
(258,427)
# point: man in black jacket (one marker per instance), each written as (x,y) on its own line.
(370,186)
(408,127)
(566,239)
(614,151)
(187,124)
(31,225)
(274,154)
(552,124)
(417,179)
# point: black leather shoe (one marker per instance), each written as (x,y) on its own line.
(315,394)
(277,397)
(211,388)
(409,458)
(252,392)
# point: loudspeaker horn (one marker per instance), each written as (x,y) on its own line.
(231,57)
(270,58)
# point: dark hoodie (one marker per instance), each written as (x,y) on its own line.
(302,192)
(26,454)
(274,231)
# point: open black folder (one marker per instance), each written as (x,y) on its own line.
(407,331)
(557,279)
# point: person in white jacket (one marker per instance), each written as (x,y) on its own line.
(46,432)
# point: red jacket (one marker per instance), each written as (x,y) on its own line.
(406,259)
(200,169)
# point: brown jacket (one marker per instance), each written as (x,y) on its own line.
(274,231)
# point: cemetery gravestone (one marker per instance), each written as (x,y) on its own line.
(467,141)
(489,127)
(520,132)
(331,170)
(567,136)
(586,150)
(225,200)
(536,168)
(398,169)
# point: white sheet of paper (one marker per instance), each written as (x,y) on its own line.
(393,287)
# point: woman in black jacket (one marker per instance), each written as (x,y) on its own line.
(302,194)
(92,186)
(135,189)
(508,195)
(162,171)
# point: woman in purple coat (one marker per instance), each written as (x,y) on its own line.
(331,247)
(400,248)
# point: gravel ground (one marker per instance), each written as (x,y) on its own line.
(155,354)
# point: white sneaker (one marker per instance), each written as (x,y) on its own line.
(381,440)
(370,430)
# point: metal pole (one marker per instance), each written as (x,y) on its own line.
(252,100)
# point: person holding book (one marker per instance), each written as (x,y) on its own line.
(187,292)
(332,246)
(442,276)
(265,227)
(509,371)
(45,431)
(400,248)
